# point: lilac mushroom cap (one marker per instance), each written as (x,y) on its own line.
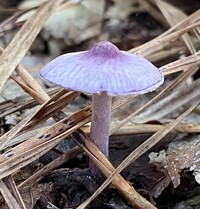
(103,68)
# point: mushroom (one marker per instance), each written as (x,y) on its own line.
(103,71)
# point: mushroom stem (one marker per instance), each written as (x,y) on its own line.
(101,111)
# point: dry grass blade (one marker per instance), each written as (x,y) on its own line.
(10,23)
(154,139)
(38,93)
(160,43)
(59,94)
(46,135)
(9,181)
(10,200)
(30,81)
(5,139)
(165,54)
(184,23)
(135,129)
(13,162)
(172,103)
(174,15)
(37,96)
(168,69)
(180,65)
(170,93)
(130,194)
(52,109)
(120,101)
(19,45)
(67,5)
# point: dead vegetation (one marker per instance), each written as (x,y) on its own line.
(173,109)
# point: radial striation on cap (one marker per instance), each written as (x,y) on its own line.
(103,68)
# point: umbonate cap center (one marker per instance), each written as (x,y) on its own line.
(105,49)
